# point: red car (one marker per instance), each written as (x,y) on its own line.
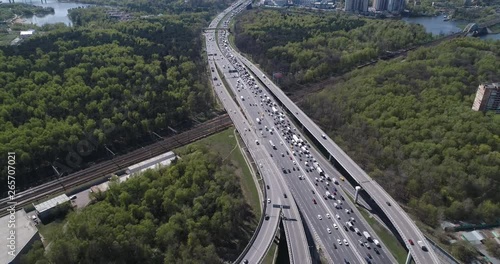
(411,242)
(314,201)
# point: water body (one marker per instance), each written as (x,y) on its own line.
(437,26)
(60,12)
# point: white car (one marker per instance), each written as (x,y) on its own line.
(323,136)
(268,200)
(319,217)
(360,242)
(329,230)
(328,216)
(345,242)
(335,225)
(338,216)
(340,242)
(347,211)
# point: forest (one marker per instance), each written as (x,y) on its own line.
(162,6)
(111,81)
(309,46)
(190,212)
(408,123)
(8,11)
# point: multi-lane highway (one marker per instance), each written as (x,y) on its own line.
(276,204)
(274,131)
(273,125)
(398,217)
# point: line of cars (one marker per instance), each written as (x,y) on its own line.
(298,146)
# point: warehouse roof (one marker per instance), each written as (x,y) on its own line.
(47,205)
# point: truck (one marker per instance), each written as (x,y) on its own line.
(376,243)
(320,171)
(272,144)
(367,236)
(295,138)
(422,245)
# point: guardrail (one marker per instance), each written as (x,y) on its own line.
(290,253)
(269,245)
(451,259)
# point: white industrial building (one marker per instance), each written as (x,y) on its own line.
(19,229)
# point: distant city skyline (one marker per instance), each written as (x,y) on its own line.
(356,6)
(389,5)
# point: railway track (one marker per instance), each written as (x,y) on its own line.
(119,163)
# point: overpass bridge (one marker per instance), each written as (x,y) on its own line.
(281,210)
(214,28)
(479,29)
(401,222)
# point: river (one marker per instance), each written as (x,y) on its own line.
(60,12)
(436,26)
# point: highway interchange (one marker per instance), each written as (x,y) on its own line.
(405,226)
(255,103)
(299,251)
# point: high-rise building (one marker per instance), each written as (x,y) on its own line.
(380,5)
(396,5)
(348,5)
(356,6)
(487,98)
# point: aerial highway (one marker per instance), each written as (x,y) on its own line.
(405,226)
(320,214)
(327,222)
(276,205)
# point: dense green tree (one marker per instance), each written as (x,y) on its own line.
(309,46)
(464,251)
(493,247)
(210,223)
(409,124)
(67,93)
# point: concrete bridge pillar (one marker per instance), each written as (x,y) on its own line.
(408,258)
(358,188)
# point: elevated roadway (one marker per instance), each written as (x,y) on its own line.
(325,221)
(398,217)
(276,206)
(308,194)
